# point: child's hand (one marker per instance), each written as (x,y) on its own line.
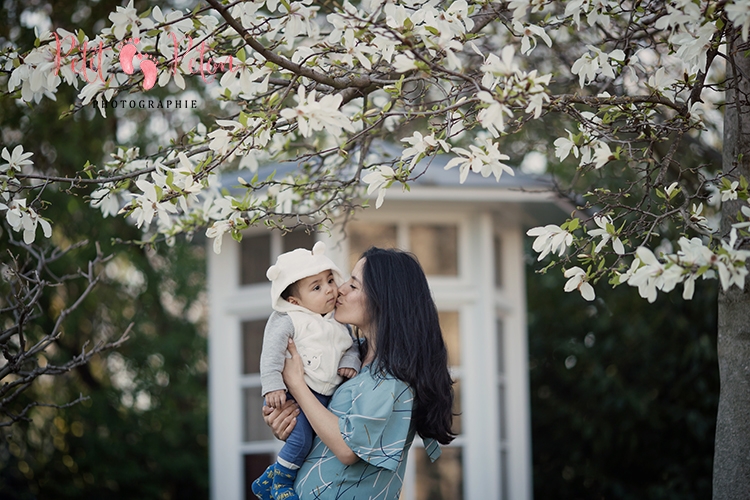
(347,372)
(275,399)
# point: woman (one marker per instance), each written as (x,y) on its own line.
(403,388)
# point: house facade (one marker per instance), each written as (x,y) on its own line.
(469,240)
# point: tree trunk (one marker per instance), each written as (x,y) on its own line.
(731,479)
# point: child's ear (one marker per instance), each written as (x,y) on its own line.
(293,300)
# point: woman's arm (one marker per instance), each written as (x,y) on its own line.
(324,423)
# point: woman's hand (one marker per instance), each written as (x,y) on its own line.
(281,420)
(294,370)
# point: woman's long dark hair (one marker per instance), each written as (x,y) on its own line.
(408,341)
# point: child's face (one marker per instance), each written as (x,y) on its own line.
(317,293)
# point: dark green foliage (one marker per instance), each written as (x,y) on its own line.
(114,445)
(108,447)
(632,415)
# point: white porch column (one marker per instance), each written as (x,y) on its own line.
(225,396)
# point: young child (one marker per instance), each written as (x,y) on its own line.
(304,290)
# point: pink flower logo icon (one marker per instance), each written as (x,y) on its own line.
(128,54)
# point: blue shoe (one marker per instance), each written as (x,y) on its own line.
(262,486)
(283,483)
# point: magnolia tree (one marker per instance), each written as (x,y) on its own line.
(629,91)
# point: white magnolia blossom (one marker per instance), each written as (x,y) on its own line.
(692,261)
(731,263)
(401,54)
(739,13)
(746,213)
(595,62)
(147,205)
(106,200)
(126,20)
(697,217)
(419,145)
(602,154)
(550,239)
(579,281)
(493,116)
(378,181)
(564,146)
(653,275)
(529,33)
(484,160)
(15,160)
(607,233)
(219,228)
(730,193)
(25,219)
(312,115)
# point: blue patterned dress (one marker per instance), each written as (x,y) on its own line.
(375,421)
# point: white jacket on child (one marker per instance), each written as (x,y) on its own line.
(323,343)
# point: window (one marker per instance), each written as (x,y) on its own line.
(363,236)
(254,428)
(501,398)
(255,258)
(497,248)
(297,239)
(436,247)
(258,251)
(441,480)
(450,328)
(255,465)
(252,342)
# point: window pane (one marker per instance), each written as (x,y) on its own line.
(436,247)
(252,342)
(501,411)
(449,326)
(365,235)
(297,239)
(441,480)
(504,474)
(457,414)
(255,465)
(497,247)
(255,429)
(500,346)
(255,258)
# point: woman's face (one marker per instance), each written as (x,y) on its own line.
(351,305)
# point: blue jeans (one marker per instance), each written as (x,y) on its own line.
(299,443)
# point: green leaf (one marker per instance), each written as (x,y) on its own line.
(432,30)
(572,225)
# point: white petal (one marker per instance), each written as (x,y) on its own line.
(587,291)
